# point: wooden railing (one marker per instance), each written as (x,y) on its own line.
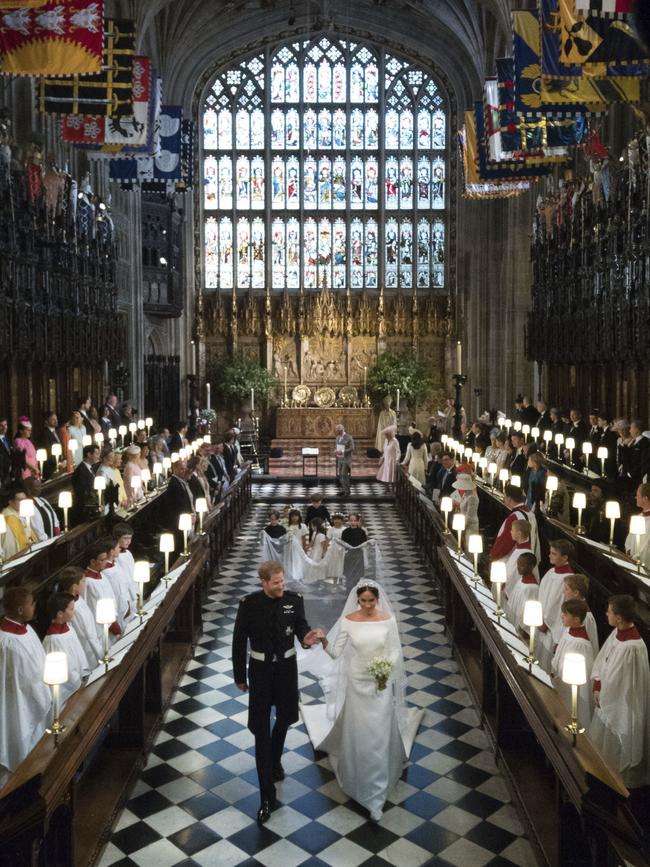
(59,805)
(577,808)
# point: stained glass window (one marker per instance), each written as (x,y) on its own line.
(324,165)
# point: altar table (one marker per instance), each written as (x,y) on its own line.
(317,422)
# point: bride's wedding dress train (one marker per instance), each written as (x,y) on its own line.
(366,737)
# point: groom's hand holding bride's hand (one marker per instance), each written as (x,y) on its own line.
(314,636)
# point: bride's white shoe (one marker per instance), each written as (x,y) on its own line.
(375,815)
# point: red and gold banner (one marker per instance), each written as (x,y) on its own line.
(64,37)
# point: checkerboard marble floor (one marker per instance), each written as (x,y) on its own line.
(296,491)
(196,800)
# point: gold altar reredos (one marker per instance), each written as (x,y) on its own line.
(315,423)
(325,338)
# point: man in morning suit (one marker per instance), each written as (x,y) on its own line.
(344,450)
(269,620)
(85,499)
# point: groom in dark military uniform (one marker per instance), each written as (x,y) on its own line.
(270,619)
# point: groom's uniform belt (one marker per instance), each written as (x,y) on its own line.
(272,657)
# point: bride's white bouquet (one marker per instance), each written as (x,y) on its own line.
(380,668)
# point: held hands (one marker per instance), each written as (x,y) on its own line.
(242,686)
(314,636)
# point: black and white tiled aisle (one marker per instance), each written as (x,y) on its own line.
(195,802)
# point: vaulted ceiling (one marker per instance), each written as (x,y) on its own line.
(186,37)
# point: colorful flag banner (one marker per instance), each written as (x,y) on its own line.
(474,187)
(488,169)
(163,168)
(605,6)
(64,37)
(187,155)
(110,93)
(21,4)
(605,45)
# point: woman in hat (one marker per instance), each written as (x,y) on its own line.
(131,470)
(24,445)
(465,499)
(390,459)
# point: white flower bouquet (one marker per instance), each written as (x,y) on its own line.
(380,669)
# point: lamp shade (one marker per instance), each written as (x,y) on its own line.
(483,462)
(207,439)
(86,440)
(142,571)
(574,670)
(570,443)
(185,521)
(199,442)
(99,483)
(637,525)
(56,450)
(167,543)
(516,481)
(517,425)
(201,504)
(533,613)
(458,522)
(475,544)
(476,458)
(145,475)
(446,505)
(579,500)
(559,439)
(133,427)
(508,422)
(55,670)
(534,432)
(27,509)
(587,448)
(492,468)
(105,612)
(157,468)
(148,421)
(498,572)
(548,436)
(99,439)
(603,453)
(41,455)
(65,500)
(73,445)
(504,475)
(122,430)
(552,483)
(141,424)
(112,433)
(136,482)
(175,457)
(468,452)
(167,463)
(525,429)
(612,509)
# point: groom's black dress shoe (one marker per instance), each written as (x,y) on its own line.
(278,773)
(265,810)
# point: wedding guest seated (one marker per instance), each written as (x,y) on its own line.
(177,499)
(61,637)
(519,458)
(620,728)
(108,468)
(316,509)
(45,521)
(576,586)
(574,639)
(551,595)
(73,581)
(274,528)
(642,552)
(465,499)
(178,440)
(527,587)
(25,700)
(20,533)
(98,586)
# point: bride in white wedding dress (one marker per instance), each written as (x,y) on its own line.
(367,731)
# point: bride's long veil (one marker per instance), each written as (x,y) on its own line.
(334,685)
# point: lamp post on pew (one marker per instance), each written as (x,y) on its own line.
(575,674)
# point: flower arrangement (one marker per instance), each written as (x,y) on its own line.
(380,668)
(399,370)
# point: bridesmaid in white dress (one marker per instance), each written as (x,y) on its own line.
(372,734)
(390,458)
(417,457)
(297,528)
(317,550)
(336,554)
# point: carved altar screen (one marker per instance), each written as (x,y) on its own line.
(324,166)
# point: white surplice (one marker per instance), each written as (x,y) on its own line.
(575,641)
(25,700)
(551,595)
(85,627)
(366,744)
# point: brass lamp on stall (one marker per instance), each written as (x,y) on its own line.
(570,445)
(149,424)
(145,475)
(574,672)
(99,439)
(157,471)
(482,465)
(207,439)
(458,526)
(446,506)
(65,503)
(105,615)
(525,429)
(475,547)
(136,485)
(587,451)
(551,487)
(3,530)
(167,545)
(55,673)
(141,576)
(185,524)
(140,424)
(612,513)
(86,440)
(504,475)
(516,481)
(498,576)
(73,445)
(547,437)
(122,432)
(517,426)
(559,442)
(56,451)
(201,506)
(99,485)
(41,457)
(602,454)
(534,432)
(533,619)
(492,470)
(132,429)
(167,465)
(112,436)
(579,503)
(637,528)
